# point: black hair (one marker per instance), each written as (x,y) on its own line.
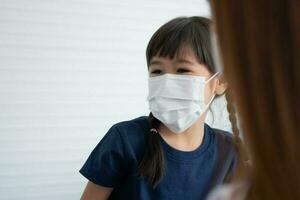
(170,40)
(173,37)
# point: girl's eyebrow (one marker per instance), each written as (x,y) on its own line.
(155,62)
(184,61)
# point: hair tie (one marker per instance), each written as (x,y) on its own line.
(153,130)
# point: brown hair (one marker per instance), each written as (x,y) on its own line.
(169,40)
(260,48)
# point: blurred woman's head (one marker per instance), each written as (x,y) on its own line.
(260,48)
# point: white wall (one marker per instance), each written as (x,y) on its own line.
(68,71)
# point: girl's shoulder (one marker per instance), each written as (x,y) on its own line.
(224,148)
(132,133)
(117,153)
(139,123)
(222,137)
(133,129)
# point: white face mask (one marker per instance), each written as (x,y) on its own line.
(178,100)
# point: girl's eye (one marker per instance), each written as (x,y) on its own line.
(182,70)
(156,71)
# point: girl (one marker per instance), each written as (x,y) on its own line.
(172,153)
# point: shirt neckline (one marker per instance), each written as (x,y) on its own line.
(188,155)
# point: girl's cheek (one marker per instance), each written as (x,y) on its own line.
(206,93)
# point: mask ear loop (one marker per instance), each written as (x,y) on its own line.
(212,77)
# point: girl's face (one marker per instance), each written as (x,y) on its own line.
(184,64)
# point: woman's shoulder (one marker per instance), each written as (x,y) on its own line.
(234,191)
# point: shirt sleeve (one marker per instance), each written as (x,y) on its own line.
(107,164)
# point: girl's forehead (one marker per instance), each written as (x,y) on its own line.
(182,54)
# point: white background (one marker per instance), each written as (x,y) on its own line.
(68,71)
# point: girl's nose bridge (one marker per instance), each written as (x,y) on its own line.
(170,68)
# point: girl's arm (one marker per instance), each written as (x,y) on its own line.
(95,192)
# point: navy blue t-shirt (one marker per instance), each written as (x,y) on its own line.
(188,175)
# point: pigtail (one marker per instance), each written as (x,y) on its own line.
(243,160)
(232,117)
(152,164)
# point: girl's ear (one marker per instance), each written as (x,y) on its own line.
(221,86)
